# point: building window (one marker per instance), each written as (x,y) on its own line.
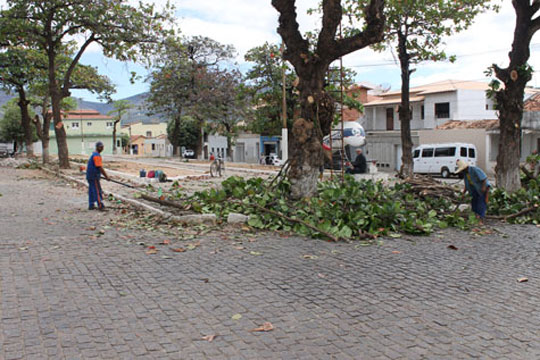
(117,143)
(487,107)
(109,124)
(88,124)
(75,125)
(442,110)
(422,113)
(148,134)
(153,146)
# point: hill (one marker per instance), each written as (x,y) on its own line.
(134,115)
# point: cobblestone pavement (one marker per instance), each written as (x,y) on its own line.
(73,286)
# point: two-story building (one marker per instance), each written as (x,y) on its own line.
(83,129)
(446,111)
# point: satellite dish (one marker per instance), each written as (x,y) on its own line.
(385,87)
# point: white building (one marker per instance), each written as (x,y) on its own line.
(464,104)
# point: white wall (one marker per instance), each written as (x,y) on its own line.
(472,106)
(251,148)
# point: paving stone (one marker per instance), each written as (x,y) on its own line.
(73,294)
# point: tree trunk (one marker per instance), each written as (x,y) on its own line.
(45,136)
(510,99)
(59,130)
(175,136)
(26,123)
(200,142)
(305,146)
(114,137)
(405,109)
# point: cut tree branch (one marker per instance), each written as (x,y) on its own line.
(289,30)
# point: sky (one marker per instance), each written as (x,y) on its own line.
(249,23)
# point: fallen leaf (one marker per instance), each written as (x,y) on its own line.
(246,228)
(239,247)
(102,232)
(151,247)
(322,276)
(23,248)
(310,257)
(452,247)
(166,257)
(179,250)
(396,252)
(256,253)
(236,317)
(395,235)
(165,242)
(522,279)
(151,252)
(205,280)
(267,326)
(92,228)
(209,338)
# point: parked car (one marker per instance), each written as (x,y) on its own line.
(441,158)
(188,153)
(273,159)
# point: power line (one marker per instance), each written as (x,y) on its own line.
(391,62)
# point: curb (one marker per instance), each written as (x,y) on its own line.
(209,219)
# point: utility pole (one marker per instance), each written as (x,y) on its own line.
(284,130)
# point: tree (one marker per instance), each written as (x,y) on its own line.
(184,132)
(417,29)
(11,126)
(509,99)
(121,108)
(123,31)
(228,106)
(84,77)
(311,64)
(264,86)
(21,67)
(182,71)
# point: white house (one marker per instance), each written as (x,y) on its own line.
(446,111)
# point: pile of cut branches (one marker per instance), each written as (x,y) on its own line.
(424,186)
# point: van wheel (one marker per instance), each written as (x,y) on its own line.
(445,173)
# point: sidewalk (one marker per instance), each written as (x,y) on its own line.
(76,284)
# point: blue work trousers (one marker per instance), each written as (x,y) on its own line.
(479,205)
(95,194)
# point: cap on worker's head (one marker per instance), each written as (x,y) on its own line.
(99,144)
(358,150)
(461,165)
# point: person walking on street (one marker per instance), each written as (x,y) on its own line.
(477,184)
(94,170)
(359,165)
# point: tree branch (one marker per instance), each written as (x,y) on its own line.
(75,61)
(535,26)
(289,31)
(332,14)
(373,32)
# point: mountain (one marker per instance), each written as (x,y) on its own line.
(134,115)
(138,113)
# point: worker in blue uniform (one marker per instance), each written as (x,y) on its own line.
(477,184)
(94,170)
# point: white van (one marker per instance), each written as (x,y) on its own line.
(441,158)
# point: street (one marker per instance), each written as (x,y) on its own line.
(79,284)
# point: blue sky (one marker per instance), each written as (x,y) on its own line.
(249,23)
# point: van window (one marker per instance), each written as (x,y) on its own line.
(463,152)
(472,153)
(427,152)
(445,151)
(416,154)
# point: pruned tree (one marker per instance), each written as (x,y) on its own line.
(121,108)
(311,65)
(509,98)
(123,31)
(416,30)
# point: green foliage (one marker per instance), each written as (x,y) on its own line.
(186,134)
(265,87)
(423,24)
(11,124)
(503,203)
(347,211)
